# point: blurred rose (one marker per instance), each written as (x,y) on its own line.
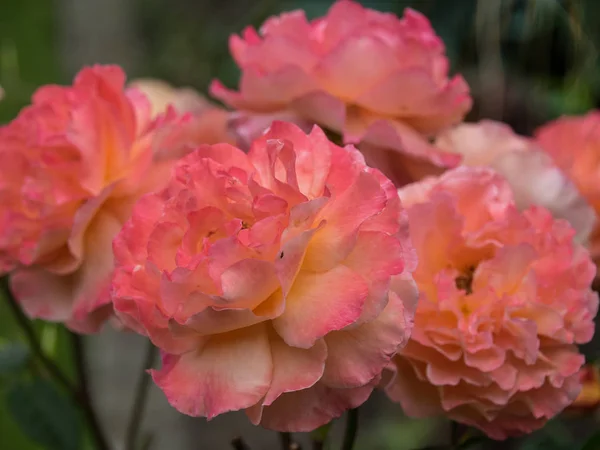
(366,74)
(533,177)
(209,124)
(277,281)
(504,299)
(589,397)
(574,145)
(73,163)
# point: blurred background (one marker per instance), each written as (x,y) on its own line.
(527,61)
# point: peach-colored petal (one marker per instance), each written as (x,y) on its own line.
(294,369)
(162,95)
(310,408)
(205,382)
(350,364)
(321,303)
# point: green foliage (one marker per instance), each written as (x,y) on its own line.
(593,443)
(13,357)
(45,415)
(27,52)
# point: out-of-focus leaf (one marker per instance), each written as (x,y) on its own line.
(471,442)
(13,357)
(593,443)
(397,433)
(574,98)
(45,415)
(321,433)
(555,435)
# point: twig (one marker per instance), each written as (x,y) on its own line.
(140,399)
(351,429)
(83,393)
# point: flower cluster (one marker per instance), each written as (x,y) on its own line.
(281,274)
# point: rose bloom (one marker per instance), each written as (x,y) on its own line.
(531,173)
(207,124)
(366,74)
(73,163)
(504,299)
(276,281)
(574,145)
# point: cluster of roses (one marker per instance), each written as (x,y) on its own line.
(279,273)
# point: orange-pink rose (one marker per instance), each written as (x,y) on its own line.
(531,173)
(276,282)
(207,124)
(574,145)
(504,298)
(73,163)
(366,74)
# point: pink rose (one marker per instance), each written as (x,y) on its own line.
(504,299)
(277,282)
(73,164)
(574,145)
(531,173)
(366,74)
(207,124)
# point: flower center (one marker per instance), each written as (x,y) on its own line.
(464,281)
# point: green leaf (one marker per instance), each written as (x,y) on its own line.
(593,443)
(13,357)
(45,415)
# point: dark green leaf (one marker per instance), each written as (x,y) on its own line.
(45,415)
(13,357)
(593,443)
